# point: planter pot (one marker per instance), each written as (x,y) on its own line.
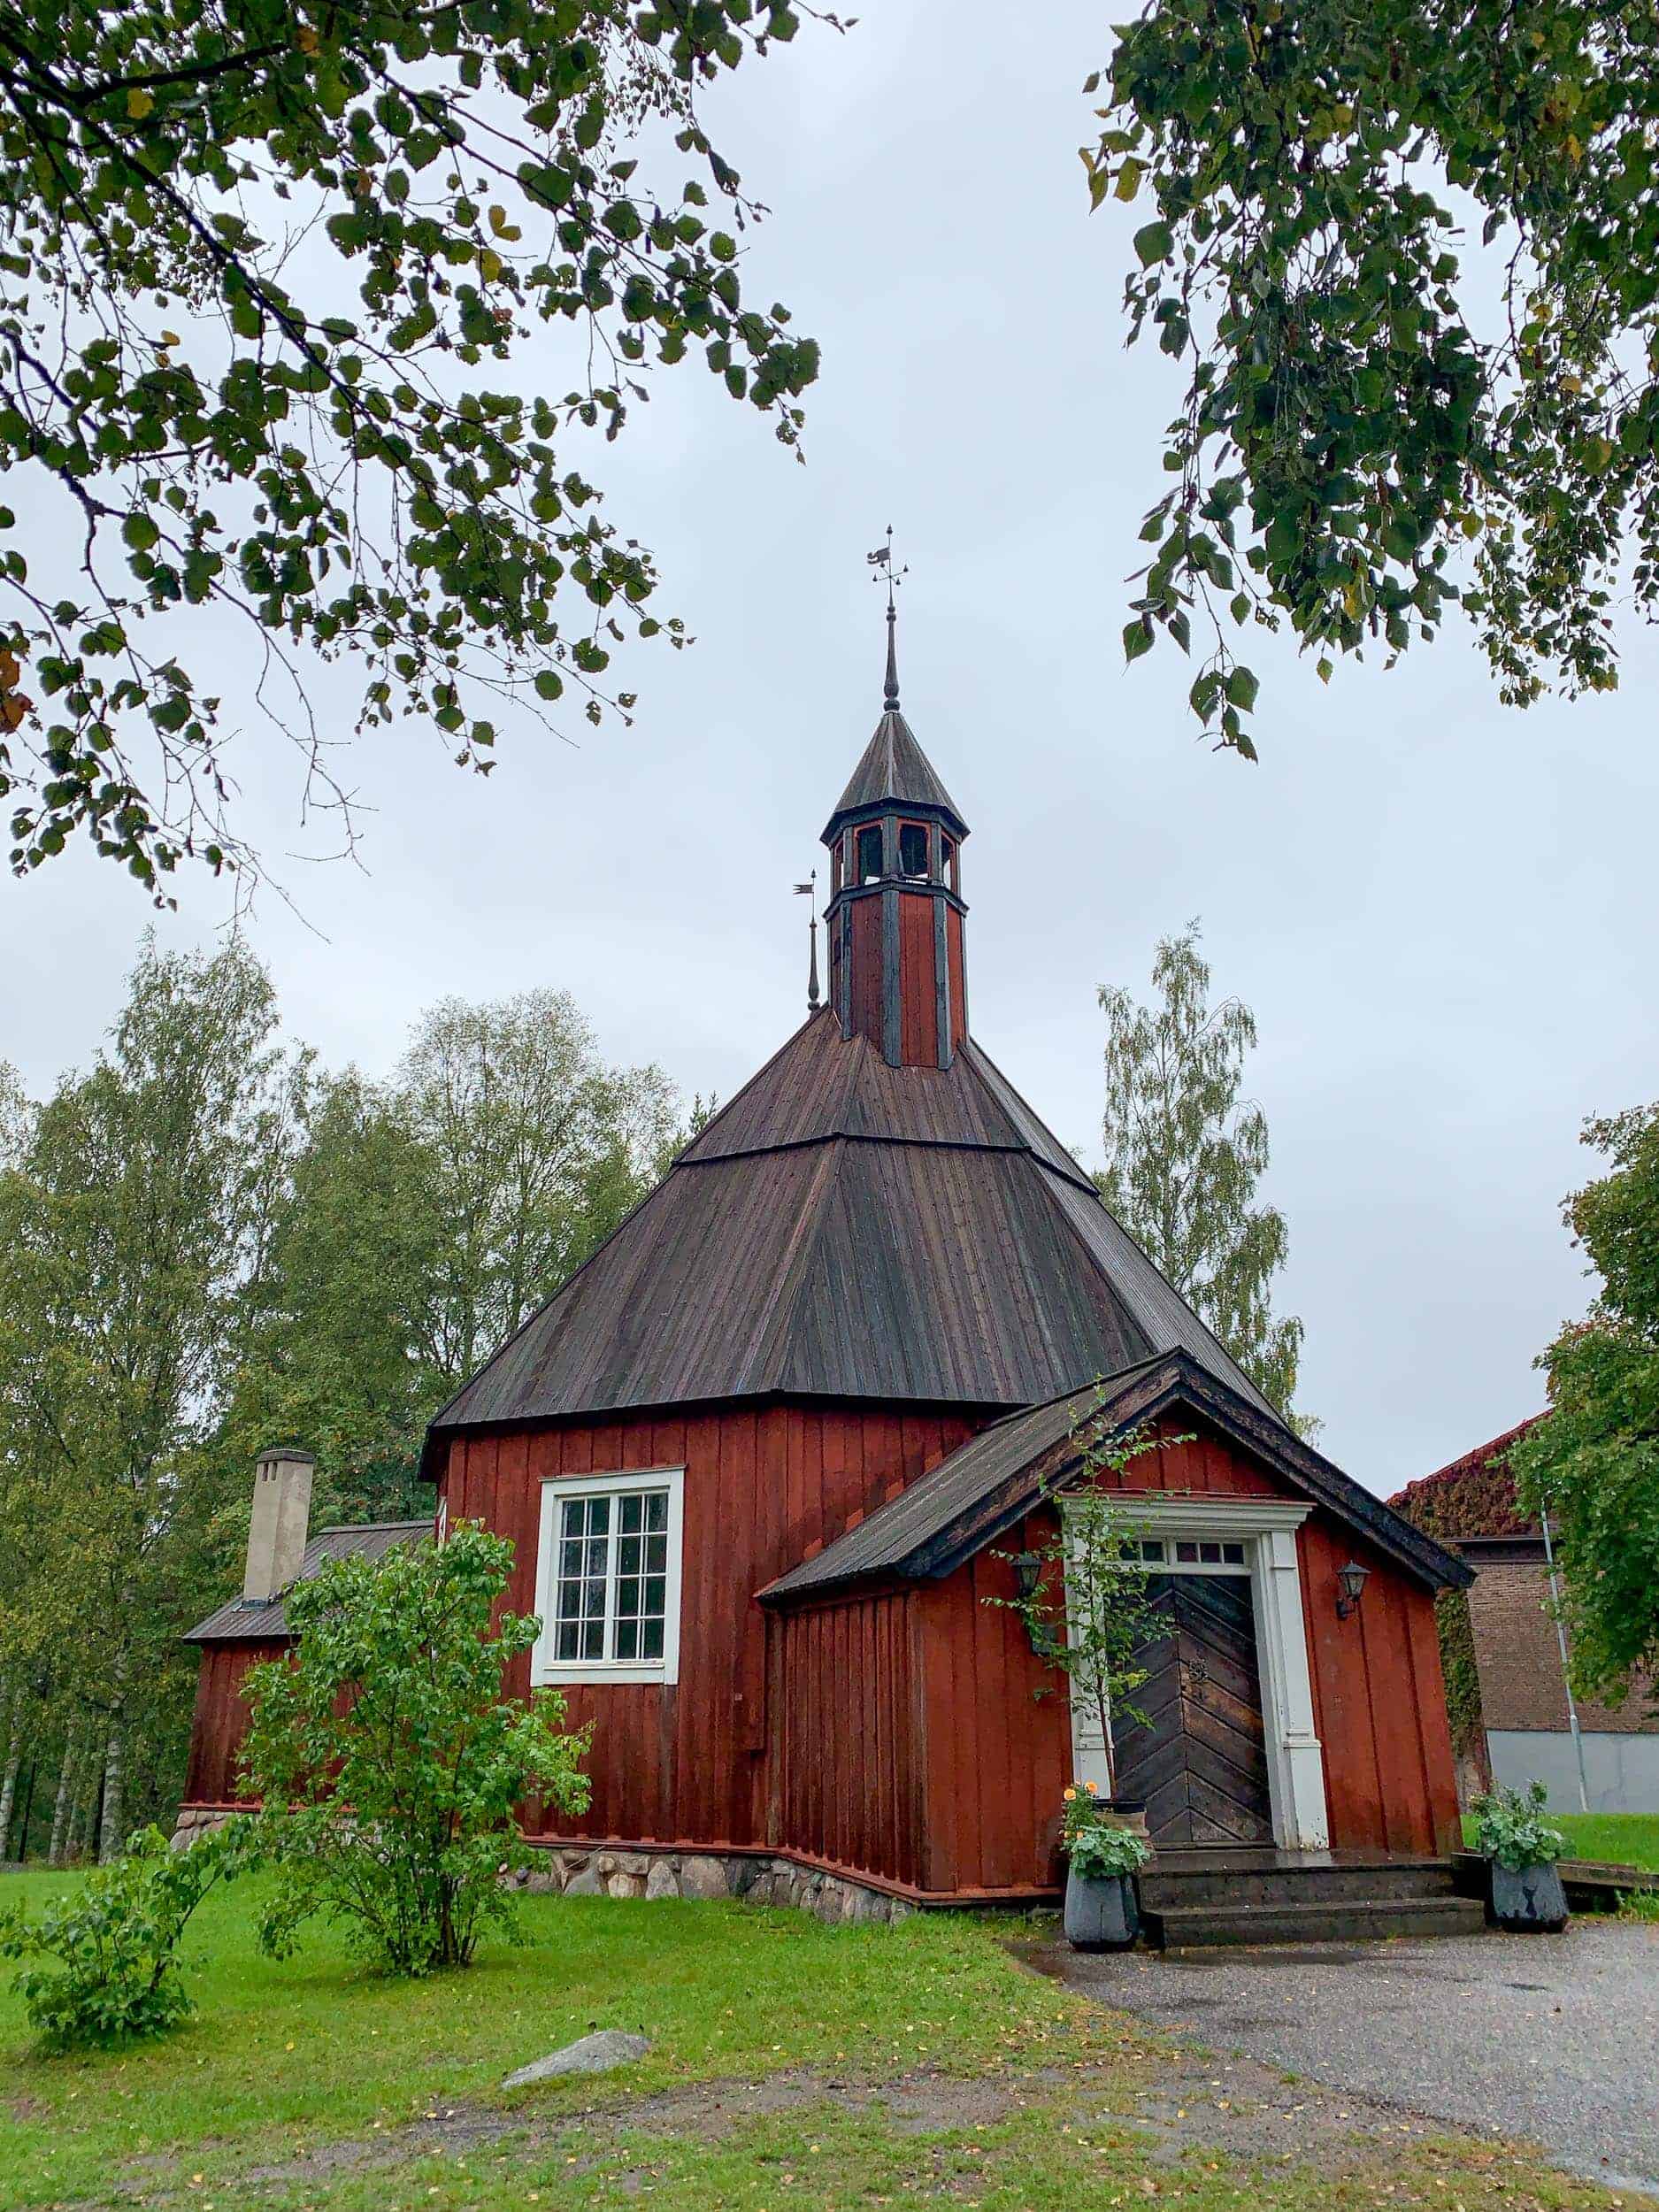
(1126,1812)
(1101,1916)
(1528,1900)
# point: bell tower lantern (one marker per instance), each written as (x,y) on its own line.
(897,972)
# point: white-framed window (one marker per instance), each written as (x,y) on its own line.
(608,1578)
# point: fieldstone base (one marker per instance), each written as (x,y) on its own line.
(193,1823)
(601,1871)
(598,1870)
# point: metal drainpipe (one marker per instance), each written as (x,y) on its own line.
(1560,1638)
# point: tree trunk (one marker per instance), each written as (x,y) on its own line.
(8,1779)
(111,1835)
(28,1808)
(63,1803)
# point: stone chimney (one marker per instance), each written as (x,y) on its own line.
(281,1521)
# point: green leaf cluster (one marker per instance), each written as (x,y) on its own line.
(213,432)
(1087,1607)
(390,1764)
(101,1965)
(1382,420)
(1510,1827)
(1592,1463)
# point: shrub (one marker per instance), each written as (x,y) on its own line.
(102,1962)
(1510,1827)
(388,1762)
(1098,1846)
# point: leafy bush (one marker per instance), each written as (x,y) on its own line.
(1510,1827)
(388,1762)
(1097,1845)
(103,1961)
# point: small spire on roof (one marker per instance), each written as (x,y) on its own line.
(809,890)
(881,561)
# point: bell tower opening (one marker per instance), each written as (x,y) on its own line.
(896,915)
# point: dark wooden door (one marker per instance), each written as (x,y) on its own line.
(1200,1758)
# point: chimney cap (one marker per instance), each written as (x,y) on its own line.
(287,1451)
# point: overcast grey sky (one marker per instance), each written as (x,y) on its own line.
(1442,913)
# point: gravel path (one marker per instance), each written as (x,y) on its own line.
(1553,2039)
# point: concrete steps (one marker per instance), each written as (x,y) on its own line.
(1193,1900)
(1200,1927)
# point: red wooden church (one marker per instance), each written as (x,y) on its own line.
(760,1456)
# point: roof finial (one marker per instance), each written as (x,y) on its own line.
(881,561)
(809,890)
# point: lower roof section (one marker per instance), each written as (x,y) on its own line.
(844,1230)
(260,1620)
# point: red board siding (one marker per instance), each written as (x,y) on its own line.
(997,1756)
(763,1487)
(896,1732)
(919,986)
(220,1720)
(959,987)
(864,920)
(850,1794)
(1379,1701)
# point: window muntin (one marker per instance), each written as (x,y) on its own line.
(913,850)
(611,1592)
(609,1581)
(867,853)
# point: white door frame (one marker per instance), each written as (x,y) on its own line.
(1267,1529)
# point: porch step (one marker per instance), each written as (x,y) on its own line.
(1313,1920)
(1273,1878)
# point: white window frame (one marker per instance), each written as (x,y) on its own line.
(546,1668)
(1268,1530)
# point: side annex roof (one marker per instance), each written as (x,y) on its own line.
(987,1483)
(260,1620)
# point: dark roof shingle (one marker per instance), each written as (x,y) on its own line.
(844,1229)
(893,766)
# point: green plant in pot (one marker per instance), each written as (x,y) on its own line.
(1083,1596)
(1103,1856)
(1524,1886)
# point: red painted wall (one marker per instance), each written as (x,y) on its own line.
(763,1487)
(894,1732)
(220,1720)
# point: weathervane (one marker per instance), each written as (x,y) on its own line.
(881,561)
(809,890)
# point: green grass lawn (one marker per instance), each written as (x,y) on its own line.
(1626,1838)
(285,2060)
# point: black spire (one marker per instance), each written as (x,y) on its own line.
(890,699)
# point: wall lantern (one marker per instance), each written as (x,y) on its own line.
(1028,1567)
(1350,1589)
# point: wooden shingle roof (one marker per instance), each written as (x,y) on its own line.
(845,1229)
(893,767)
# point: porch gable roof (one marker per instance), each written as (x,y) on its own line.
(986,1486)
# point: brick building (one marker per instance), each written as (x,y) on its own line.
(1471,1507)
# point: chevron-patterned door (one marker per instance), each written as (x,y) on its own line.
(1199,1758)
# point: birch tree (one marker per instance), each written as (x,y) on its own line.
(1185,1152)
(130,1235)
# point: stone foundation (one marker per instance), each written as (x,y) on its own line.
(194,1822)
(607,1871)
(585,1870)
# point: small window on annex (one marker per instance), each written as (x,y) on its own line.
(913,850)
(868,865)
(608,1592)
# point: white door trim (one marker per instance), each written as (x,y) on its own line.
(1267,1527)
